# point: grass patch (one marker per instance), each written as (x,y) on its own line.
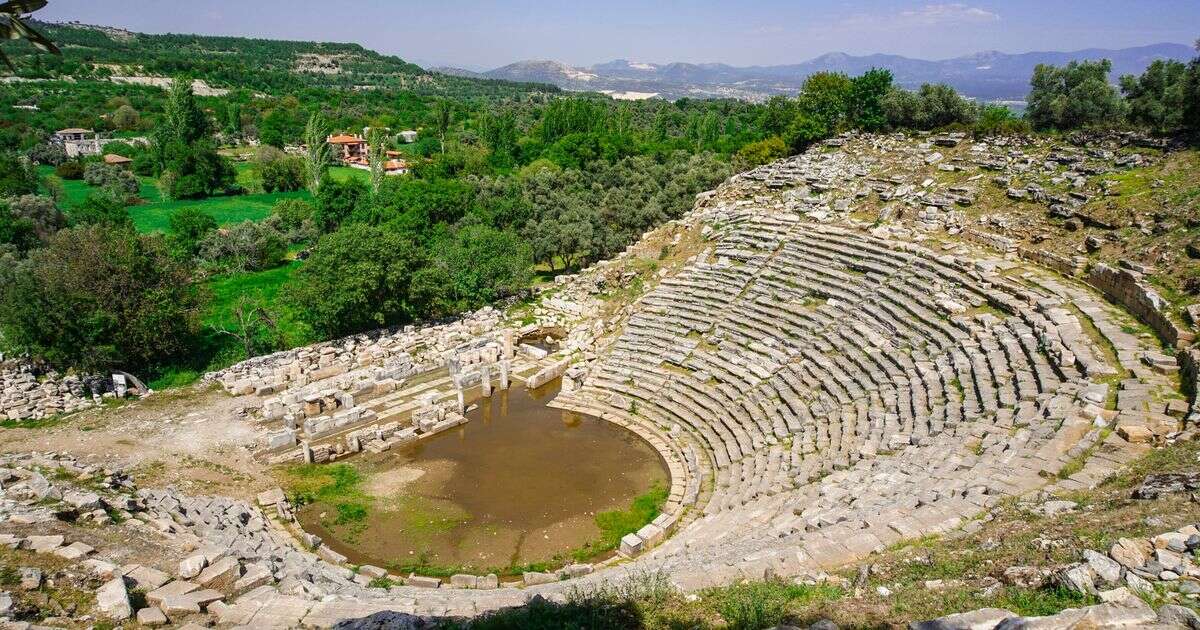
(614,524)
(765,604)
(215,350)
(40,423)
(265,284)
(156,216)
(335,485)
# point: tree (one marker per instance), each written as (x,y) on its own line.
(42,214)
(499,130)
(1072,96)
(184,155)
(16,231)
(101,210)
(825,98)
(254,326)
(376,159)
(930,107)
(1155,98)
(188,227)
(1191,96)
(443,116)
(941,105)
(17,176)
(278,171)
(316,153)
(101,297)
(126,117)
(474,266)
(13,26)
(761,152)
(999,120)
(336,201)
(356,279)
(295,218)
(51,153)
(278,127)
(417,206)
(113,181)
(866,99)
(246,246)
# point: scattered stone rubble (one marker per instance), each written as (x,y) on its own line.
(24,395)
(1160,565)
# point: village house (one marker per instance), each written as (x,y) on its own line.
(351,147)
(408,137)
(118,160)
(78,142)
(352,151)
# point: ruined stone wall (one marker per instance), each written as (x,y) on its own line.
(1126,288)
(26,396)
(403,349)
(1189,376)
(1068,266)
(1003,244)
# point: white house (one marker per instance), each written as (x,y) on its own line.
(78,142)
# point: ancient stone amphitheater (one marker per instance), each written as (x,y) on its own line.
(820,386)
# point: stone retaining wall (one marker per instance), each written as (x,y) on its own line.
(1189,376)
(1003,244)
(26,396)
(402,348)
(1068,266)
(1127,289)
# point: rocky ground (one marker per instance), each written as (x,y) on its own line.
(163,510)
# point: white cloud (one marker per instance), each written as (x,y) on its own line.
(951,13)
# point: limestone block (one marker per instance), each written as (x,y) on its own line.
(631,545)
(151,617)
(256,575)
(462,580)
(74,551)
(191,566)
(171,589)
(533,578)
(280,439)
(420,581)
(221,574)
(1134,433)
(372,571)
(113,600)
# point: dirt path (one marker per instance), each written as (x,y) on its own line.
(192,438)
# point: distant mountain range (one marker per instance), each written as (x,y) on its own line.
(992,75)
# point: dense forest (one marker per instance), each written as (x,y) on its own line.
(234,231)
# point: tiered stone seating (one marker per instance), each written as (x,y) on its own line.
(843,392)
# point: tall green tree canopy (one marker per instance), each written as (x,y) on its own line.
(356,279)
(1072,96)
(100,297)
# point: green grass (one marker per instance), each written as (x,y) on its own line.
(155,214)
(342,173)
(216,350)
(614,524)
(336,485)
(757,605)
(266,284)
(156,217)
(42,423)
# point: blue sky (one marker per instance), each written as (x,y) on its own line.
(491,33)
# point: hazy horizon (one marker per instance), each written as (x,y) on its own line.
(476,34)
